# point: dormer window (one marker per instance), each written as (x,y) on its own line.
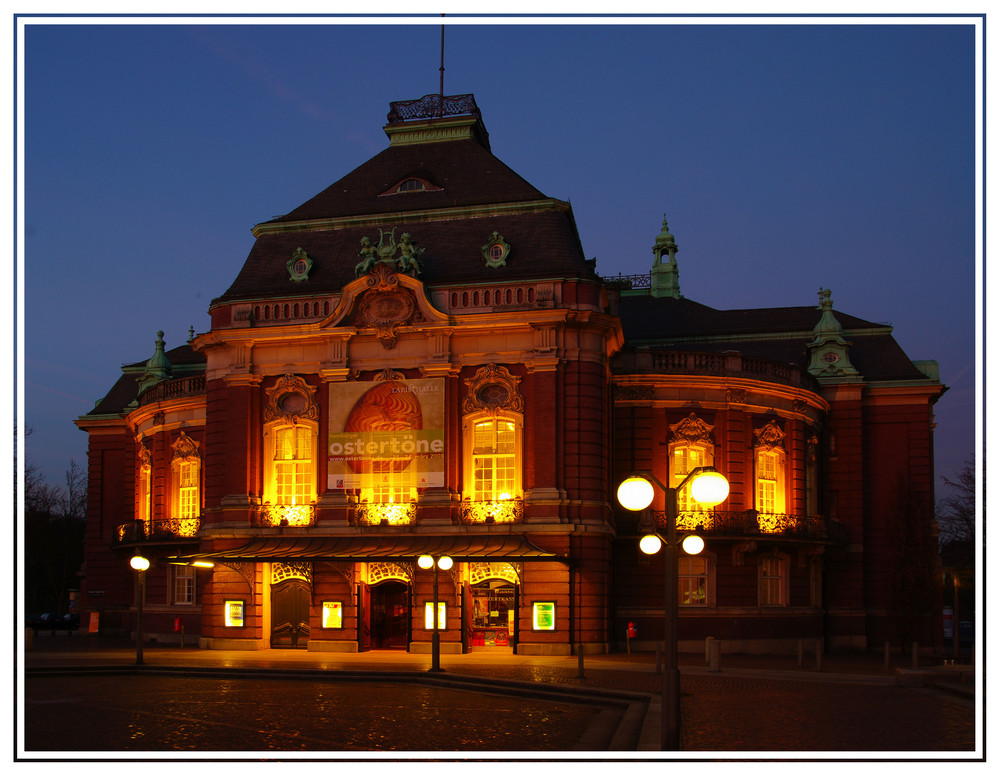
(411,185)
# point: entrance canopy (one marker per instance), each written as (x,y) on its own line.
(380,548)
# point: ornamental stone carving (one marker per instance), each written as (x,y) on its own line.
(291,399)
(384,254)
(185,449)
(385,305)
(493,390)
(770,437)
(692,430)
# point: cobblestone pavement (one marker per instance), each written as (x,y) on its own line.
(755,704)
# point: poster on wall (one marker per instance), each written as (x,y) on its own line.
(386,434)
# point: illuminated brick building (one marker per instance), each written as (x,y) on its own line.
(420,360)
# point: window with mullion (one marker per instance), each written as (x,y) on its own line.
(494,460)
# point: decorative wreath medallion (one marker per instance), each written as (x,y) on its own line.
(291,399)
(493,389)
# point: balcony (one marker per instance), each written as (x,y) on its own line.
(744,524)
(283,515)
(194,385)
(509,510)
(170,530)
(367,513)
(678,362)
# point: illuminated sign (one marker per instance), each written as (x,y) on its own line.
(543,616)
(235,614)
(429,615)
(333,614)
(386,434)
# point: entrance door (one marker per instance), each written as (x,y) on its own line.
(290,614)
(390,615)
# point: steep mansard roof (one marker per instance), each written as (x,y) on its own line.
(777,333)
(469,195)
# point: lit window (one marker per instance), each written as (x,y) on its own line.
(290,479)
(143,505)
(183,585)
(770,482)
(686,458)
(293,462)
(773,581)
(692,580)
(186,502)
(494,460)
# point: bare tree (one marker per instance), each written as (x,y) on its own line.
(957,511)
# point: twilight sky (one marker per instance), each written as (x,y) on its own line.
(786,158)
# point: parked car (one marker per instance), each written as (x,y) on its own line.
(50,622)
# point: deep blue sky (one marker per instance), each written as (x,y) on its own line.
(786,158)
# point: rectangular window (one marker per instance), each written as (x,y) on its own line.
(768,496)
(187,491)
(183,585)
(692,581)
(494,460)
(686,459)
(771,582)
(293,465)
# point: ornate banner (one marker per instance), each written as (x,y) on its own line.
(386,434)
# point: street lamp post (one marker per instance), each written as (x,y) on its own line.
(636,493)
(442,562)
(140,564)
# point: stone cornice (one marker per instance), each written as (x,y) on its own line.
(437,214)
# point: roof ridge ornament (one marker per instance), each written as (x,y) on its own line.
(665,277)
(158,368)
(829,350)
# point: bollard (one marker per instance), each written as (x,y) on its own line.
(714,656)
(802,654)
(709,641)
(819,654)
(916,655)
(887,656)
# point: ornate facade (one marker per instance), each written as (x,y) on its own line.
(420,360)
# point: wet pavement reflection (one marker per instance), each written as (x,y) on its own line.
(152,713)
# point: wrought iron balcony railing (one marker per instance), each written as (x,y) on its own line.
(283,515)
(172,529)
(510,510)
(746,523)
(367,513)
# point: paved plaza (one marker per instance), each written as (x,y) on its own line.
(280,702)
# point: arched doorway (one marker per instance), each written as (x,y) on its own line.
(290,614)
(390,615)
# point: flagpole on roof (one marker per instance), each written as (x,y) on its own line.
(441,88)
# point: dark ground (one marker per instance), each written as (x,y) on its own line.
(215,701)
